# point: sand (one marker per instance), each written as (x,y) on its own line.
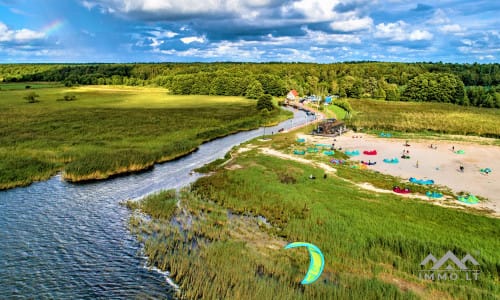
(441,165)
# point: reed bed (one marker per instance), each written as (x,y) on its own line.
(111,130)
(425,117)
(373,243)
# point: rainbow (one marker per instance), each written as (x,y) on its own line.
(52,27)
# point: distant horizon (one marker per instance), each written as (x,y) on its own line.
(246,62)
(253,31)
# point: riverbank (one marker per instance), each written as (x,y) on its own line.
(247,210)
(110,131)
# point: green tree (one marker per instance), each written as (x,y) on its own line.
(254,90)
(32,97)
(265,102)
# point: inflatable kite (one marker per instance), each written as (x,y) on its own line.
(460,152)
(485,170)
(299,152)
(371,152)
(329,153)
(471,199)
(383,134)
(434,194)
(317,262)
(301,140)
(312,150)
(421,181)
(391,160)
(337,161)
(323,145)
(352,153)
(399,190)
(369,163)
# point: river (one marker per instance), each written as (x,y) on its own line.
(70,241)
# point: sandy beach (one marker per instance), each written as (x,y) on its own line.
(441,164)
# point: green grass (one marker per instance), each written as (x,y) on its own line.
(425,117)
(32,85)
(110,130)
(334,111)
(373,243)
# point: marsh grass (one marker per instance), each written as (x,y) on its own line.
(425,117)
(373,243)
(110,130)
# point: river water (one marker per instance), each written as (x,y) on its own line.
(70,241)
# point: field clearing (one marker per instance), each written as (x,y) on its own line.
(110,130)
(425,117)
(373,243)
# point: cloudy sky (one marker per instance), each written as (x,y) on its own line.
(249,30)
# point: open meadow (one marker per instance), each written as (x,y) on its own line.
(425,117)
(100,131)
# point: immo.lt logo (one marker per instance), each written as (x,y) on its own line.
(449,267)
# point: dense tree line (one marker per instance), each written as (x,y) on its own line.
(465,84)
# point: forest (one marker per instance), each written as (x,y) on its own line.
(462,84)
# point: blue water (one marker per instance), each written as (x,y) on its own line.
(67,241)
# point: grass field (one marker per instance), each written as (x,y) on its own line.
(109,130)
(333,111)
(225,238)
(425,117)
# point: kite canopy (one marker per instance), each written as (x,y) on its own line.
(460,152)
(299,152)
(421,181)
(337,161)
(301,140)
(471,199)
(399,190)
(352,153)
(383,134)
(371,152)
(329,153)
(391,160)
(312,150)
(323,145)
(485,170)
(317,261)
(433,194)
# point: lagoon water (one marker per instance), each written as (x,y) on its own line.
(70,241)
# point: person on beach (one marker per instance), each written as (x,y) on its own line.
(417,164)
(453,148)
(462,168)
(324,176)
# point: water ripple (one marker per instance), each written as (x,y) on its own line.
(67,241)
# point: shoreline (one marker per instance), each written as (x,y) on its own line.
(123,170)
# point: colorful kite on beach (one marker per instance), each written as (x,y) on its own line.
(317,261)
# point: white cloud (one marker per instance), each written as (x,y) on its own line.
(420,35)
(164,34)
(18,36)
(155,43)
(399,31)
(322,38)
(318,10)
(352,24)
(193,39)
(439,18)
(451,28)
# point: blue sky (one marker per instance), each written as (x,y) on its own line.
(321,31)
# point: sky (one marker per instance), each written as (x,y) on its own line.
(322,31)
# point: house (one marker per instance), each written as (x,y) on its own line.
(292,95)
(331,127)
